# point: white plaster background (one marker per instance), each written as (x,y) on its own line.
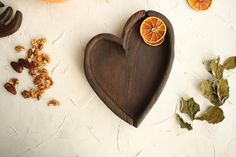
(83,126)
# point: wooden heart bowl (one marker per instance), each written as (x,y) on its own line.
(126,73)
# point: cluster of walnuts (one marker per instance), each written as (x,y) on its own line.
(35,61)
(37,70)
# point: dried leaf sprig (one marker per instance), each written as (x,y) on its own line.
(216,90)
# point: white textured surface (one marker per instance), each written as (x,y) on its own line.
(83,126)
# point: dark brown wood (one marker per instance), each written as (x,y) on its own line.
(9,24)
(127,74)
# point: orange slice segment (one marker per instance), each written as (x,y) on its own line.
(200,5)
(156,44)
(152,30)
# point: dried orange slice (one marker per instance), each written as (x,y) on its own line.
(200,5)
(153,30)
(53,1)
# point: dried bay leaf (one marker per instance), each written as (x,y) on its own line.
(230,63)
(223,90)
(209,90)
(216,68)
(183,124)
(212,115)
(190,107)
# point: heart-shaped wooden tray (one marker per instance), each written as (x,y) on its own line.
(126,73)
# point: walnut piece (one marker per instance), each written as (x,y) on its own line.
(53,103)
(14,81)
(26,94)
(19,48)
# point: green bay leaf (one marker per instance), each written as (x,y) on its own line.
(213,115)
(183,124)
(209,91)
(230,63)
(223,90)
(189,107)
(216,68)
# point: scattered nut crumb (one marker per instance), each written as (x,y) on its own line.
(19,48)
(54,103)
